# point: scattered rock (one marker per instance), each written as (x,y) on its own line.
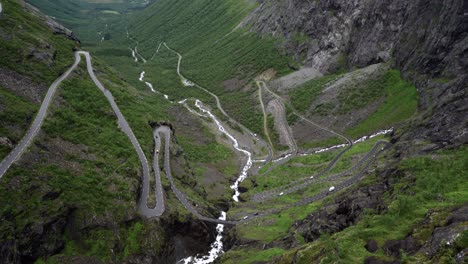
(428,48)
(394,247)
(456,224)
(375,260)
(4,141)
(372,246)
(52,24)
(462,256)
(22,86)
(346,210)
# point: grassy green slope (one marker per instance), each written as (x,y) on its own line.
(198,32)
(81,167)
(401,102)
(76,186)
(434,184)
(86,17)
(24,34)
(17,111)
(398,98)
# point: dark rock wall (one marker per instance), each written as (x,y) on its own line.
(426,39)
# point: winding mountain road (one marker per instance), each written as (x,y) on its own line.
(332,163)
(265,117)
(16,153)
(166,133)
(125,127)
(122,122)
(294,186)
(305,182)
(219,106)
(280,116)
(262,83)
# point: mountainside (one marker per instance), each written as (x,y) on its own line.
(200,131)
(426,40)
(72,195)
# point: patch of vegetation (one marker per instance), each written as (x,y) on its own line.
(332,141)
(400,103)
(206,153)
(357,96)
(324,109)
(303,96)
(433,182)
(351,156)
(15,116)
(275,226)
(30,48)
(300,38)
(133,242)
(309,165)
(243,108)
(291,118)
(275,137)
(250,256)
(96,176)
(294,169)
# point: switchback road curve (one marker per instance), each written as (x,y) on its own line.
(165,131)
(16,153)
(122,122)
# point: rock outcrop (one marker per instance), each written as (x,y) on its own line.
(56,28)
(426,40)
(345,211)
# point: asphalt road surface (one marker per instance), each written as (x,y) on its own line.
(16,153)
(166,132)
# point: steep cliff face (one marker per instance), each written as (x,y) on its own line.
(426,40)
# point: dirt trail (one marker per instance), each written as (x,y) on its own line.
(276,108)
(265,117)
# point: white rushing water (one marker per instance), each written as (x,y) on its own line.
(186,82)
(134,55)
(362,139)
(1,8)
(216,247)
(184,103)
(282,158)
(139,55)
(142,76)
(235,144)
(150,86)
